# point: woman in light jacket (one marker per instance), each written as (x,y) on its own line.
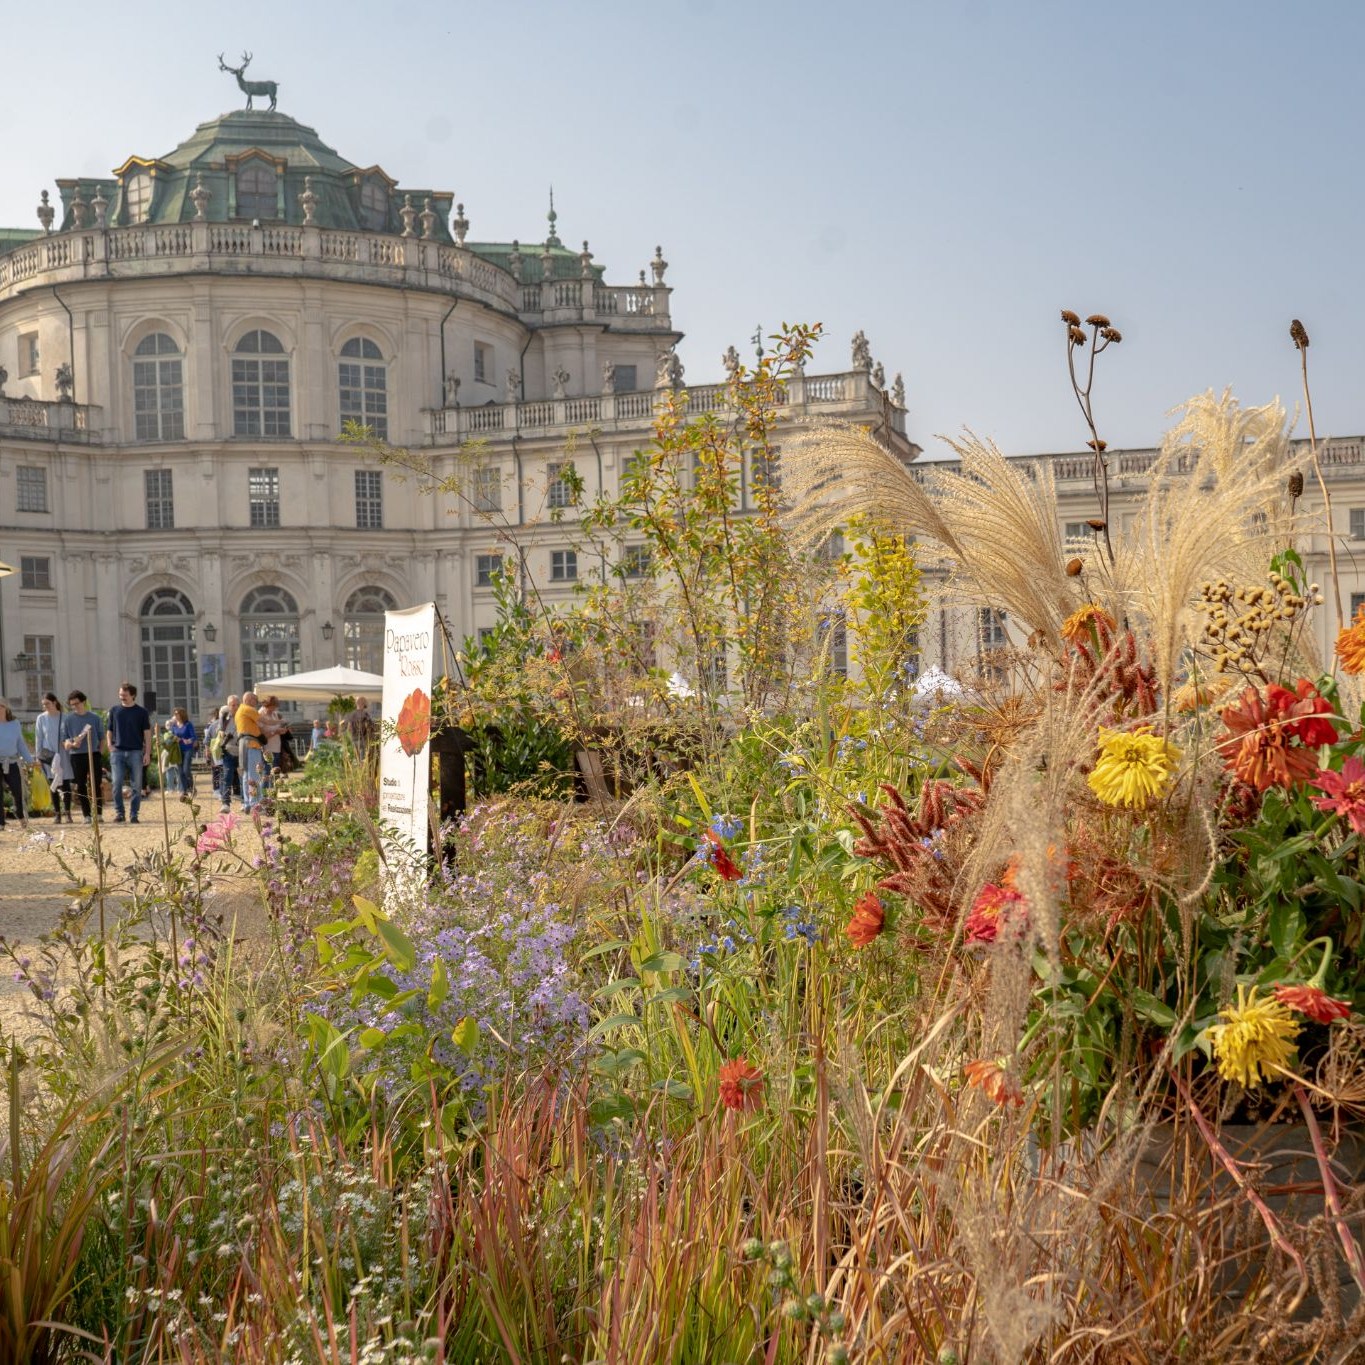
(48,734)
(14,751)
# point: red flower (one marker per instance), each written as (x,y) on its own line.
(993,1081)
(741,1085)
(414,722)
(1311,713)
(1344,792)
(993,906)
(719,857)
(1259,748)
(869,919)
(1316,1004)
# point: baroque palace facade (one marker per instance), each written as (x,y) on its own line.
(181,344)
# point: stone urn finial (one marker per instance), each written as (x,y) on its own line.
(200,197)
(514,261)
(46,213)
(459,225)
(101,206)
(658,265)
(308,202)
(427,218)
(79,209)
(585,262)
(407,213)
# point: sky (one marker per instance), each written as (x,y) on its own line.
(944,176)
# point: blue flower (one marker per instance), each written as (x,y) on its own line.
(726,826)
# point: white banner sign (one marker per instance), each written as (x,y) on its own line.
(405,757)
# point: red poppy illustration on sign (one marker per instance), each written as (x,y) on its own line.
(414,722)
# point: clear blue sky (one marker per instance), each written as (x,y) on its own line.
(944,175)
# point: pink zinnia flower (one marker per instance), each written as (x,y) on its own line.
(1344,792)
(741,1085)
(217,835)
(1313,1003)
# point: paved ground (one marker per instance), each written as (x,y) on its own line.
(34,884)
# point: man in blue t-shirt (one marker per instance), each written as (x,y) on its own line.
(129,742)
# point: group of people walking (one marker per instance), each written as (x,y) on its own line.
(249,742)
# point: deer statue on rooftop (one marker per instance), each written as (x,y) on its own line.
(249,88)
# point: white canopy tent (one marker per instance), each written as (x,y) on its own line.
(323,684)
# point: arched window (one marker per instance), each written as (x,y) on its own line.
(374,205)
(260,386)
(158,389)
(170,666)
(256,191)
(364,391)
(137,196)
(270,636)
(363,628)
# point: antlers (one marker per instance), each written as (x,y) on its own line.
(236,70)
(246,60)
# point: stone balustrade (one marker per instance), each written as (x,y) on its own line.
(28,419)
(829,395)
(310,251)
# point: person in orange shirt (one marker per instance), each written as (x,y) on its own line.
(251,749)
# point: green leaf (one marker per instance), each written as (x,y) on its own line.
(614,946)
(398,947)
(369,912)
(465,1035)
(1148,1006)
(675,1090)
(440,985)
(1286,927)
(610,1109)
(662,962)
(612,1021)
(622,983)
(372,1038)
(669,995)
(334,1057)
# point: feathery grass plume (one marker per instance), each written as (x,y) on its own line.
(996,518)
(1219,467)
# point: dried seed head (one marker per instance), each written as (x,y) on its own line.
(1112,334)
(1098,446)
(1296,484)
(1077,336)
(1297,335)
(1071,319)
(1073,568)
(1095,523)
(1097,320)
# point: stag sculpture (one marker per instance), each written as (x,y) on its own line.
(249,88)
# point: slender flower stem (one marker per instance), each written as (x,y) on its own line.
(1349,1245)
(1301,341)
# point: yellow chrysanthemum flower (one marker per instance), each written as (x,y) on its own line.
(1134,767)
(1256,1040)
(1086,619)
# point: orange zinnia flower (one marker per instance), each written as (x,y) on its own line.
(1091,617)
(1351,644)
(993,905)
(1316,1004)
(741,1085)
(869,919)
(414,722)
(1260,748)
(993,1081)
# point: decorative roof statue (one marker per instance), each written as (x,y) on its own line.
(452,390)
(513,386)
(459,225)
(608,376)
(308,202)
(898,392)
(658,265)
(407,213)
(46,213)
(101,206)
(862,352)
(560,380)
(585,262)
(427,218)
(731,361)
(4,375)
(266,89)
(200,197)
(669,371)
(79,209)
(513,260)
(879,375)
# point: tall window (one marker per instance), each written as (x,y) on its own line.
(263,496)
(35,571)
(270,636)
(362,628)
(169,662)
(30,488)
(137,196)
(256,191)
(833,643)
(160,500)
(991,628)
(369,499)
(42,672)
(260,386)
(158,390)
(563,566)
(483,363)
(636,561)
(364,396)
(623,379)
(560,479)
(28,353)
(1358,523)
(488,489)
(486,568)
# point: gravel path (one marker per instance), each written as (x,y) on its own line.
(34,886)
